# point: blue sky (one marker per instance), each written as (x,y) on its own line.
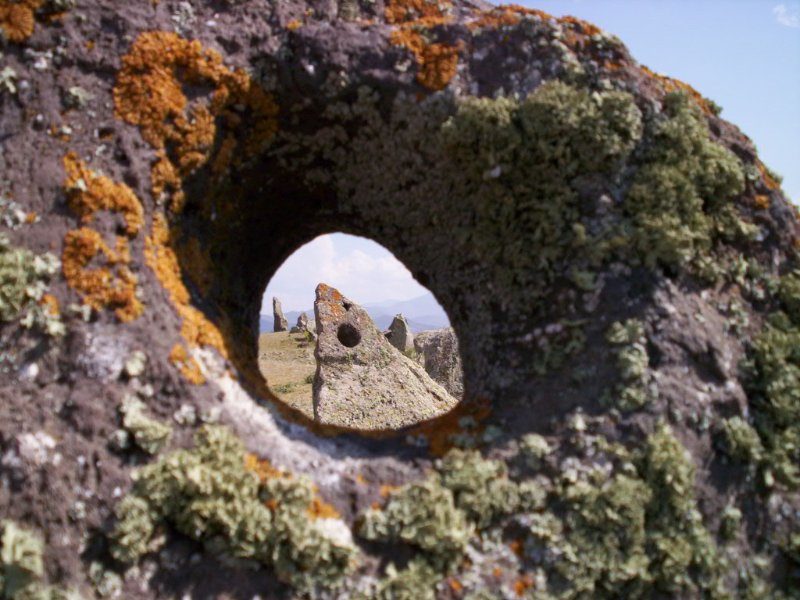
(743,54)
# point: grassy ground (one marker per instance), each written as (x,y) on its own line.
(287,362)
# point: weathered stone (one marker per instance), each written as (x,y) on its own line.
(526,168)
(302,321)
(437,351)
(399,334)
(362,381)
(279,321)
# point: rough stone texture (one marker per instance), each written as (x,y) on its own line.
(399,334)
(279,321)
(362,381)
(611,253)
(437,351)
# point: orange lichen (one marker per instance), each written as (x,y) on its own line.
(438,65)
(386,490)
(523,584)
(262,468)
(149,93)
(768,179)
(455,585)
(196,329)
(436,62)
(187,365)
(294,25)
(88,193)
(585,27)
(17,18)
(319,509)
(507,15)
(762,201)
(669,84)
(109,286)
(442,432)
(50,304)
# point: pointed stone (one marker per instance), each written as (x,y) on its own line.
(279,321)
(362,381)
(399,334)
(437,351)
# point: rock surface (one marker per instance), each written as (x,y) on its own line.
(399,334)
(279,321)
(362,381)
(437,351)
(620,266)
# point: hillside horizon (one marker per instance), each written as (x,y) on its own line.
(422,313)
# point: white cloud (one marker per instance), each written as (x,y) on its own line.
(361,269)
(789,16)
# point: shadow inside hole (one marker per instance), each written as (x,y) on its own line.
(348,335)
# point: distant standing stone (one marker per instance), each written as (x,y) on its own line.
(399,334)
(279,321)
(437,351)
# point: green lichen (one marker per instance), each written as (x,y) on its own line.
(207,494)
(772,377)
(730,522)
(740,441)
(24,278)
(480,487)
(440,514)
(633,531)
(21,562)
(632,362)
(22,567)
(149,434)
(533,448)
(679,201)
(424,515)
(683,554)
(414,582)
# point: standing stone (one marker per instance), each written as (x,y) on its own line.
(437,351)
(399,334)
(362,381)
(302,321)
(279,321)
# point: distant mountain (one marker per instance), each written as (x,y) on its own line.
(422,313)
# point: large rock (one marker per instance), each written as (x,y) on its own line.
(362,381)
(279,321)
(609,249)
(399,334)
(437,351)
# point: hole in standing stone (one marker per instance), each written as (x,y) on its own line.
(383,357)
(348,335)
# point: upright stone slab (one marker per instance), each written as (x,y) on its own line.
(279,321)
(362,381)
(437,351)
(399,334)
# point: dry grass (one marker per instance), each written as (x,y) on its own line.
(286,361)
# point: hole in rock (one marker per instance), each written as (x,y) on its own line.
(350,338)
(348,335)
